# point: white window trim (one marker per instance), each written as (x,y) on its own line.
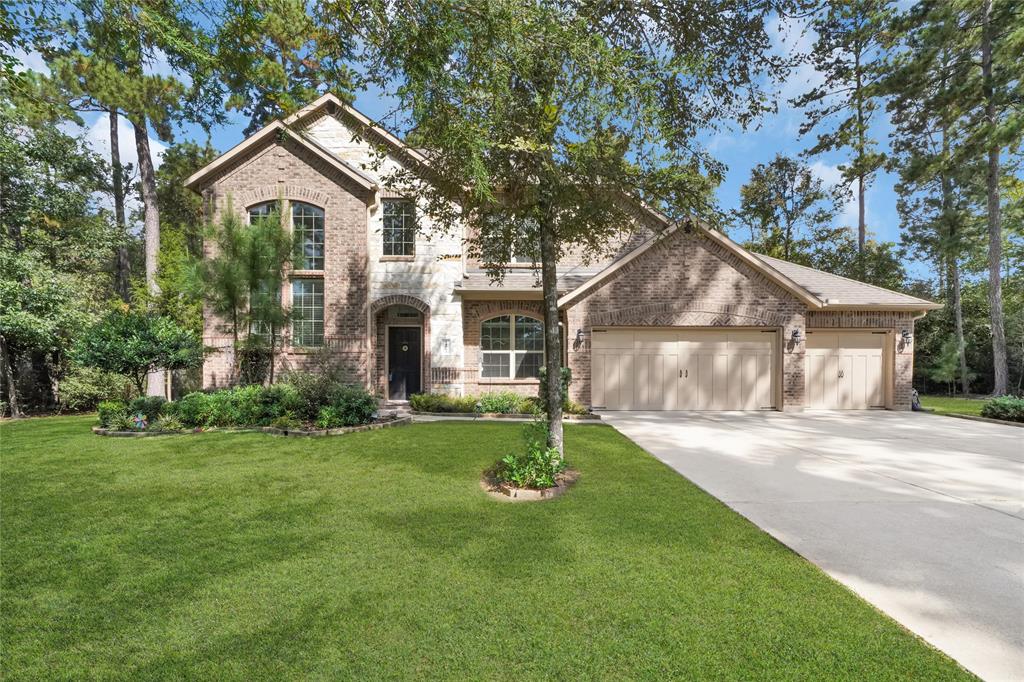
(512,352)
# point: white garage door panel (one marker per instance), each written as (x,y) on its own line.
(845,370)
(682,370)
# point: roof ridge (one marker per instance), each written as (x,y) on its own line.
(832,274)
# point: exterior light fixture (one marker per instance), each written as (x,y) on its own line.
(906,336)
(795,335)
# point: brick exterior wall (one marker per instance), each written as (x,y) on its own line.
(285,169)
(475,312)
(899,354)
(688,280)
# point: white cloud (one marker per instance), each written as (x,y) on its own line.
(832,177)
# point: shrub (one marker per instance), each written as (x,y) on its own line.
(570,407)
(111,410)
(150,405)
(537,467)
(274,402)
(314,391)
(286,421)
(1008,408)
(194,409)
(254,358)
(329,418)
(85,387)
(122,422)
(353,405)
(438,402)
(168,424)
(504,402)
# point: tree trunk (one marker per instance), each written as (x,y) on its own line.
(995,231)
(552,337)
(958,317)
(122,266)
(147,176)
(862,227)
(9,383)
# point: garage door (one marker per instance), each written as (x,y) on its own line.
(681,369)
(844,370)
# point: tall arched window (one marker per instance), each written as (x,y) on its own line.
(308,233)
(511,347)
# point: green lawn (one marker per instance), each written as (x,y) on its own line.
(376,555)
(941,404)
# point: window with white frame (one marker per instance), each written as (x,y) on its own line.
(399,227)
(262,211)
(308,236)
(511,347)
(308,312)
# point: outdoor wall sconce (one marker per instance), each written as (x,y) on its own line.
(578,341)
(796,336)
(906,336)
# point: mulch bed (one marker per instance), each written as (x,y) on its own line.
(383,423)
(509,493)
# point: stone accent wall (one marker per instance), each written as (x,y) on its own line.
(475,312)
(285,169)
(900,365)
(688,280)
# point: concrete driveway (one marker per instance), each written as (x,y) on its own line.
(921,515)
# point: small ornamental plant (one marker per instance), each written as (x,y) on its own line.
(537,467)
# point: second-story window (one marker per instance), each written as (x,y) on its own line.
(399,227)
(308,236)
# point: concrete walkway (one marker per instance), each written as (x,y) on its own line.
(921,515)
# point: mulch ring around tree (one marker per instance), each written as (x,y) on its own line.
(290,432)
(509,493)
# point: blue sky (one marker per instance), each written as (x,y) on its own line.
(739,150)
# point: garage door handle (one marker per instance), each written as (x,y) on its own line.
(841,374)
(684,372)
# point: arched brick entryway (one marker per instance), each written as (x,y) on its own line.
(380,317)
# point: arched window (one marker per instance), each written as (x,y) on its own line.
(262,211)
(308,233)
(511,347)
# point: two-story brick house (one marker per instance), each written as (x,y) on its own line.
(680,318)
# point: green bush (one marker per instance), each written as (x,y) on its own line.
(537,467)
(150,405)
(194,409)
(353,405)
(571,407)
(111,410)
(438,402)
(314,390)
(1008,407)
(504,402)
(122,422)
(85,387)
(274,402)
(168,424)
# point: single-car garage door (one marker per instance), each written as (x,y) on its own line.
(844,370)
(676,369)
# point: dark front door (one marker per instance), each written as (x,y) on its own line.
(403,362)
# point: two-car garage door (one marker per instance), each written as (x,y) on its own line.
(677,369)
(683,369)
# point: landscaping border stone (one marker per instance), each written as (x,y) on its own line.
(973,418)
(400,421)
(503,415)
(509,493)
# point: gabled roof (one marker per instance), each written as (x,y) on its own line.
(817,289)
(265,135)
(841,292)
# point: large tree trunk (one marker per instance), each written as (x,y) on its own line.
(9,383)
(953,248)
(958,317)
(552,336)
(122,266)
(151,223)
(995,231)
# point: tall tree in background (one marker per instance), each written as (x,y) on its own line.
(105,54)
(847,53)
(781,204)
(981,48)
(542,120)
(276,56)
(935,203)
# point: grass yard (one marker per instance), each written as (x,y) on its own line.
(941,404)
(377,555)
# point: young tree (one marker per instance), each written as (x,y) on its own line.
(545,122)
(242,282)
(133,343)
(781,204)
